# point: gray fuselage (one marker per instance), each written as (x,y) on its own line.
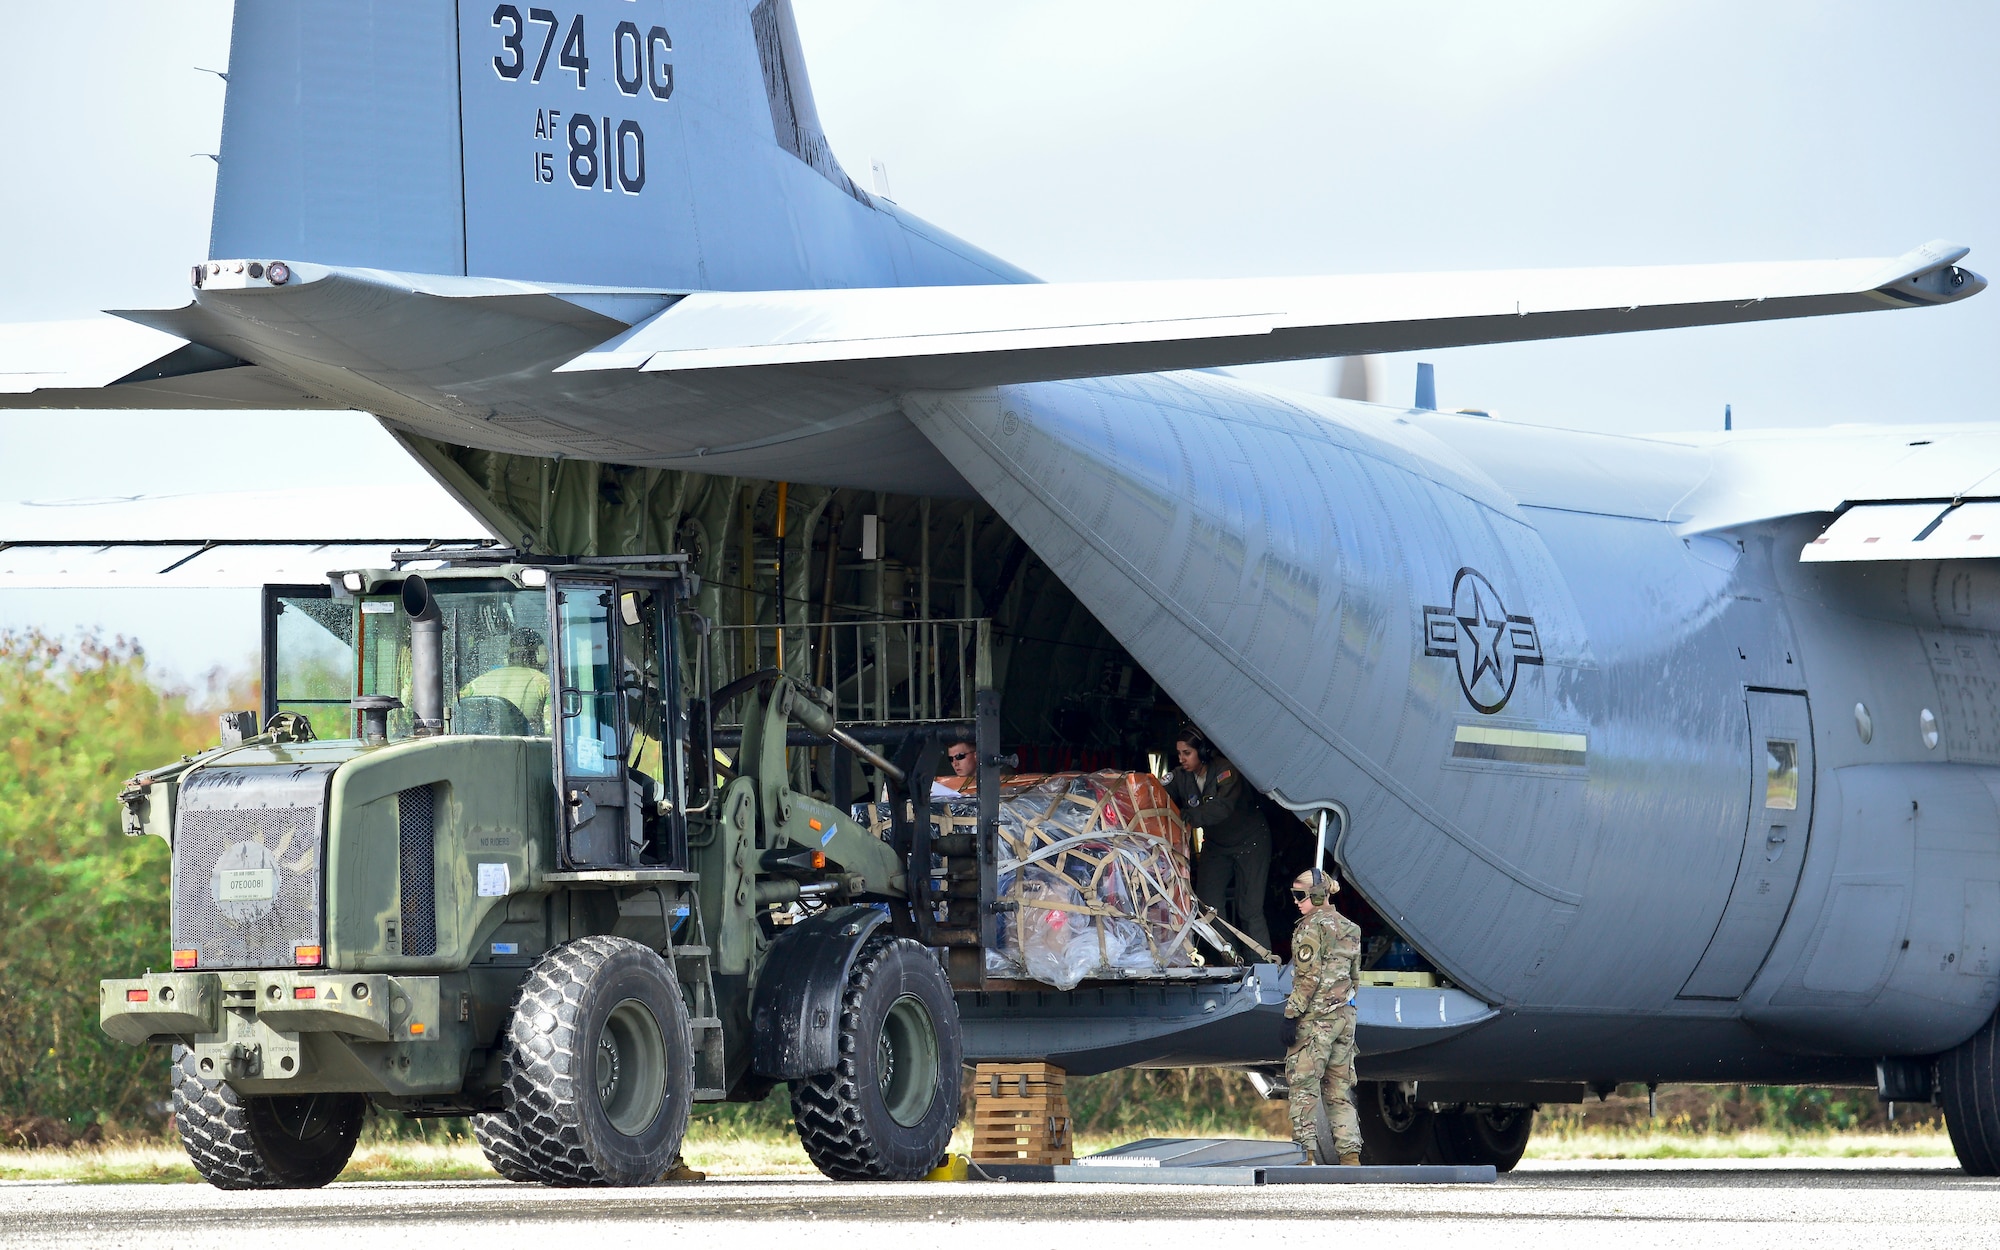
(1559,719)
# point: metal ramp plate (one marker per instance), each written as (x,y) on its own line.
(1413,1174)
(1195,1152)
(1240,1161)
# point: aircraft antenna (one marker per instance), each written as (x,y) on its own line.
(1427,388)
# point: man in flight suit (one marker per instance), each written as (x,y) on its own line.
(1319,1018)
(1235,841)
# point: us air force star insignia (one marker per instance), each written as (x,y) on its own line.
(1489,645)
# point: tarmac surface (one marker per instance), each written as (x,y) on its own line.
(1782,1204)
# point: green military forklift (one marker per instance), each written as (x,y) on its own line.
(484,854)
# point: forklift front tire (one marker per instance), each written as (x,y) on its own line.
(887,1110)
(289,1141)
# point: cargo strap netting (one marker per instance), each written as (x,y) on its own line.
(1095,868)
(1093,876)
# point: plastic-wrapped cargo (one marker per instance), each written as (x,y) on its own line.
(1096,867)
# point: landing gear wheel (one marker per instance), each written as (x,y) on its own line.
(1395,1132)
(1495,1135)
(887,1111)
(236,1141)
(599,1069)
(1323,1143)
(1968,1078)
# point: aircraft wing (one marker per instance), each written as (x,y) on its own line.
(958,337)
(221,539)
(1895,492)
(1937,529)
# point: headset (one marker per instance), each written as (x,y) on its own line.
(1203,749)
(1320,886)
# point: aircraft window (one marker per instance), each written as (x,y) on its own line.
(1781,775)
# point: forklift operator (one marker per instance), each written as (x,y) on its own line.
(523,681)
(1235,841)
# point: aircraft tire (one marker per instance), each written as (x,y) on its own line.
(599,1065)
(887,1110)
(1394,1131)
(1476,1135)
(1968,1082)
(236,1141)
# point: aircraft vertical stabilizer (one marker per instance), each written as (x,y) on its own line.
(611,142)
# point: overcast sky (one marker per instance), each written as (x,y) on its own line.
(1153,140)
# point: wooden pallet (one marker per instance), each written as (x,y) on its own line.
(1020,1114)
(1018,1080)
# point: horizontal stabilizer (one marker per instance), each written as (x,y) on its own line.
(113,363)
(94,352)
(955,337)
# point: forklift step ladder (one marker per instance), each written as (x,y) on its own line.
(1020,1115)
(691,966)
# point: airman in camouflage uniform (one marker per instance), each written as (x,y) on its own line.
(1319,1062)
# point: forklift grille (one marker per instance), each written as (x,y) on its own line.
(416,822)
(247,864)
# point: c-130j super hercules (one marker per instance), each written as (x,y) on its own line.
(1674,760)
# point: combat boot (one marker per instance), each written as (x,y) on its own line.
(1350,1160)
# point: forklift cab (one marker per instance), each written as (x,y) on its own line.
(583,657)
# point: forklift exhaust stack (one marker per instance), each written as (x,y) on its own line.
(426,656)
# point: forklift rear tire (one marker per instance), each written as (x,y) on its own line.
(1495,1135)
(236,1141)
(599,1066)
(500,1141)
(886,1112)
(1395,1132)
(1968,1080)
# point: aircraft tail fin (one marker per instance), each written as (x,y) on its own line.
(613,142)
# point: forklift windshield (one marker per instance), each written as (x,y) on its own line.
(587,662)
(322,652)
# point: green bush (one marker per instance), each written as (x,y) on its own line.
(78,900)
